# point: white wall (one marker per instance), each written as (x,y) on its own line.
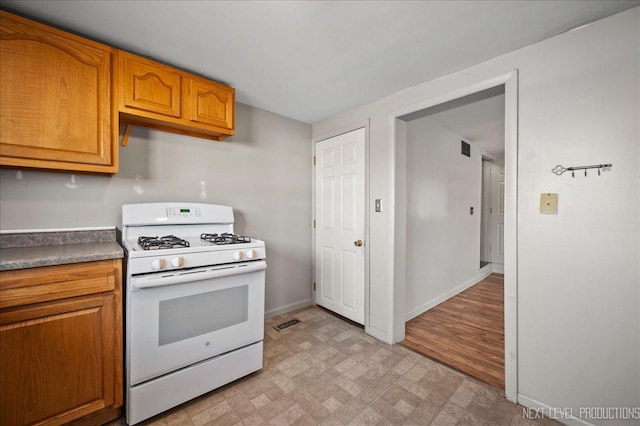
(578,272)
(443,239)
(263,172)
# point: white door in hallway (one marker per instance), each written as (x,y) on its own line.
(340,202)
(497,212)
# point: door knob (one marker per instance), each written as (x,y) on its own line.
(358,243)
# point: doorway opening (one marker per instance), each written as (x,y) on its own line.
(445,148)
(413,213)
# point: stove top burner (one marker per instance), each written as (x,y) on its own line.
(166,242)
(225,238)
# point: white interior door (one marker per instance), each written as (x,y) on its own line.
(485,215)
(340,201)
(497,212)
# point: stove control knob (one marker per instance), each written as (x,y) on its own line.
(251,254)
(177,261)
(237,255)
(157,264)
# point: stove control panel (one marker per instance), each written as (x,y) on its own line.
(160,263)
(157,264)
(245,254)
(168,260)
(184,212)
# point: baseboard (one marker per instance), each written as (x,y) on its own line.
(102,417)
(558,414)
(378,334)
(486,269)
(288,308)
(497,268)
(482,274)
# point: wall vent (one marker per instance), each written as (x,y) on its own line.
(287,324)
(466,148)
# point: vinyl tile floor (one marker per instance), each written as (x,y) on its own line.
(326,371)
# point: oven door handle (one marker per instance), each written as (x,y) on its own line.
(181,277)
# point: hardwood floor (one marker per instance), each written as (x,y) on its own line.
(465,332)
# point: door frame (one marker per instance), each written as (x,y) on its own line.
(397,161)
(363,124)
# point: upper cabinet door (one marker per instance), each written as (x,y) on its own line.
(150,86)
(55,102)
(210,103)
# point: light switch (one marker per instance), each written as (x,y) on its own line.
(548,203)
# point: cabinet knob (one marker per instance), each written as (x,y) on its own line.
(357,243)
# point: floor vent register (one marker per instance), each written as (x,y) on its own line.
(287,324)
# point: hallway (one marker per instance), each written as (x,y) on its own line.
(465,332)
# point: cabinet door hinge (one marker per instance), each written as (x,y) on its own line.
(314,160)
(314,286)
(314,224)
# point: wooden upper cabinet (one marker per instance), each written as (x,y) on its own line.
(209,103)
(63,97)
(55,102)
(158,96)
(149,86)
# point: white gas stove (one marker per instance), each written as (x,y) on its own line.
(187,224)
(194,312)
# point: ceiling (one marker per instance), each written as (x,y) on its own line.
(309,60)
(478,118)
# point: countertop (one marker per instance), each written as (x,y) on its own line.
(30,250)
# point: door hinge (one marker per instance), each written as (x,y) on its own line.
(314,286)
(314,160)
(314,224)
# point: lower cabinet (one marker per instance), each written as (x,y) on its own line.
(61,360)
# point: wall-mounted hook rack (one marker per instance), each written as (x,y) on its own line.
(561,169)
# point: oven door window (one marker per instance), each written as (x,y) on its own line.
(190,316)
(173,326)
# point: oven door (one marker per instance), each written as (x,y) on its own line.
(179,318)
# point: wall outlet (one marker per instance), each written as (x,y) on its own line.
(548,203)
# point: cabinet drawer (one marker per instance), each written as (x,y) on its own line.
(149,86)
(34,285)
